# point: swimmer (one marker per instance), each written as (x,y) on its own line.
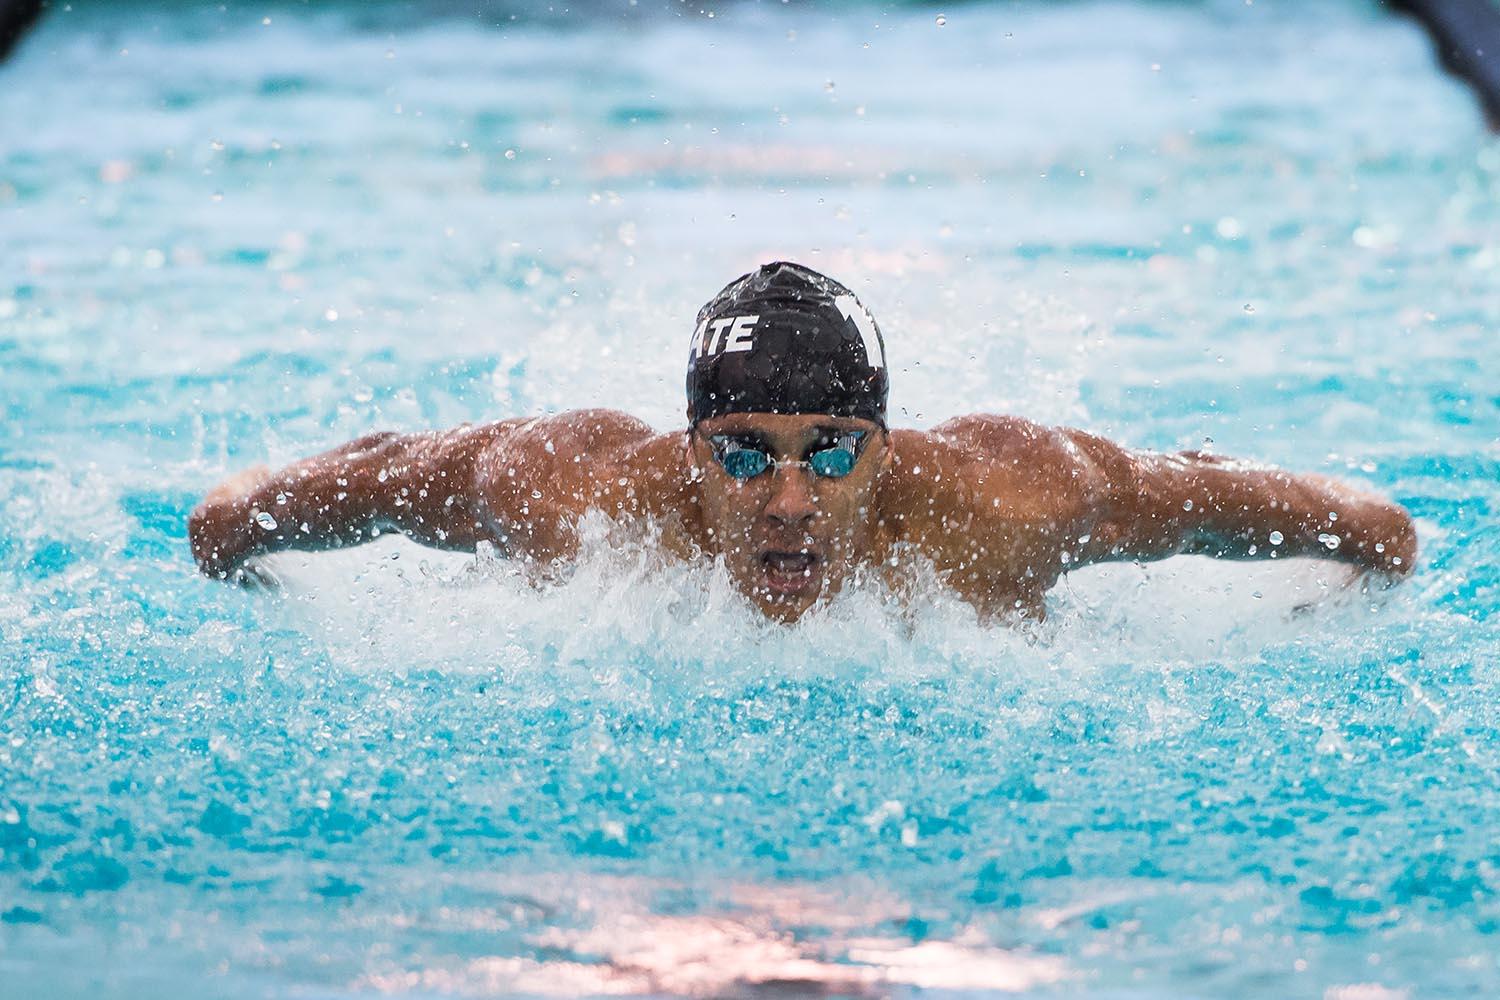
(788,473)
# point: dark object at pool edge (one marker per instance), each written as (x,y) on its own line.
(15,17)
(1467,34)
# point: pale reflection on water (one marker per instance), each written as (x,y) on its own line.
(748,946)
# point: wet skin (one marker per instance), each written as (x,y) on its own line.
(1001,506)
(788,536)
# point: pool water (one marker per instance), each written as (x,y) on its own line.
(242,235)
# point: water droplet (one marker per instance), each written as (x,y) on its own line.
(1187,505)
(1277,538)
(510,154)
(1249,308)
(942,19)
(265,520)
(1330,541)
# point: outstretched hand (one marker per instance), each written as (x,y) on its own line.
(255,575)
(220,527)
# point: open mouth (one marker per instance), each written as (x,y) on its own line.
(791,572)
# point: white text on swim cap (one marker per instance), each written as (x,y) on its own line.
(723,336)
(849,306)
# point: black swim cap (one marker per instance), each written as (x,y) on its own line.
(786,339)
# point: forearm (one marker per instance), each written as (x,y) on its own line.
(412,484)
(1240,511)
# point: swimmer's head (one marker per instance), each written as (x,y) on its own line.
(786,339)
(787,391)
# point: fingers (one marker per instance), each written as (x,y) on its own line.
(255,575)
(219,529)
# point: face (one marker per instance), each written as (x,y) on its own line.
(789,535)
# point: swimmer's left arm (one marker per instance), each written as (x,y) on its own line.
(1149,506)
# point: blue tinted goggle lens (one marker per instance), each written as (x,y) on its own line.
(834,463)
(745,462)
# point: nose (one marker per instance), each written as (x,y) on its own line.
(791,504)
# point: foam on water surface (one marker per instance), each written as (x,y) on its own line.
(230,237)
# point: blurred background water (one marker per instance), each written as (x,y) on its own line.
(239,234)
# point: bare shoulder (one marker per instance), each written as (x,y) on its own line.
(1002,456)
(545,472)
(996,472)
(567,444)
(990,500)
(587,432)
(1003,440)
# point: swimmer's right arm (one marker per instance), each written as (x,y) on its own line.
(421,485)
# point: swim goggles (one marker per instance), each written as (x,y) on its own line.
(744,460)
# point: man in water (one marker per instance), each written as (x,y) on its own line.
(788,472)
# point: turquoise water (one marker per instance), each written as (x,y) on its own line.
(238,236)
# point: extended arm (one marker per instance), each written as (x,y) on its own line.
(419,484)
(1149,506)
(1044,500)
(522,484)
